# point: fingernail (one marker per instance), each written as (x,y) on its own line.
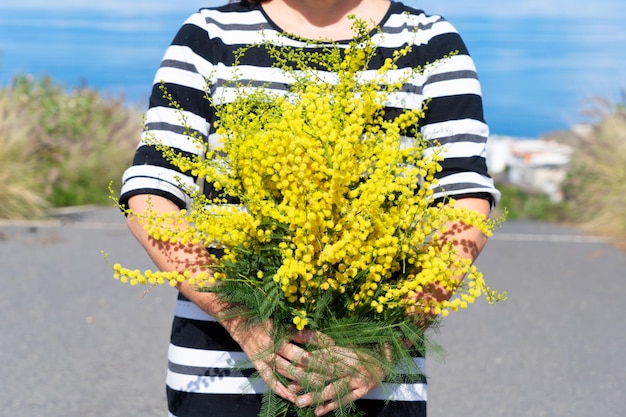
(300,402)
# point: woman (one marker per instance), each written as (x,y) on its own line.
(201,380)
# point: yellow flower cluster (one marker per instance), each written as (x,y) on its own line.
(339,191)
(173,278)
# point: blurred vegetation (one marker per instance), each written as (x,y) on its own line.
(521,204)
(21,192)
(594,190)
(595,187)
(60,148)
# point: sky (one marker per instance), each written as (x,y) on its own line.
(562,51)
(448,8)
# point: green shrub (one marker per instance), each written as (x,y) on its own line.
(525,205)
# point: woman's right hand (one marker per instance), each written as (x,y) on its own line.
(289,359)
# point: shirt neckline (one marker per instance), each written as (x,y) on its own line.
(374,30)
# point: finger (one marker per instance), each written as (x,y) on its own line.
(288,369)
(312,382)
(267,375)
(334,361)
(320,340)
(342,392)
(305,379)
(327,400)
(294,353)
(295,387)
(303,337)
(326,408)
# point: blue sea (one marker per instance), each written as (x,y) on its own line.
(538,74)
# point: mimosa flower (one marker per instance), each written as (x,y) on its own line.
(336,226)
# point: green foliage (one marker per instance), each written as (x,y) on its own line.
(60,114)
(526,205)
(73,142)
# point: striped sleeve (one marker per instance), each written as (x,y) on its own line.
(454,117)
(199,62)
(181,79)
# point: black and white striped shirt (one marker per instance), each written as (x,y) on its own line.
(201,380)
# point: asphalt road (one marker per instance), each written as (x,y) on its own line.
(75,342)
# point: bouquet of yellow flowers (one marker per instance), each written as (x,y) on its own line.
(336,230)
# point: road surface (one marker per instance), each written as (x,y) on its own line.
(75,342)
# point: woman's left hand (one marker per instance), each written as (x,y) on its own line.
(339,376)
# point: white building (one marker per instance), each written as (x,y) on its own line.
(533,164)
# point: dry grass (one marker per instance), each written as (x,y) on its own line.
(595,187)
(21,183)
